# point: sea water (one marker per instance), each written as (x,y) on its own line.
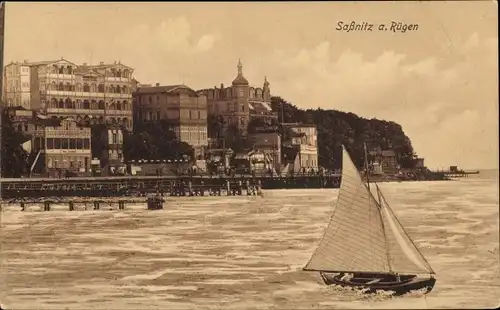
(243,252)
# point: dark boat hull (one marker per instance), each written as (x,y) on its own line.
(387,282)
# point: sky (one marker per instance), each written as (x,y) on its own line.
(440,82)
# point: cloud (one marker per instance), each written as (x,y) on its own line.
(205,43)
(445,103)
(170,36)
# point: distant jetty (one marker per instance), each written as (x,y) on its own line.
(454,172)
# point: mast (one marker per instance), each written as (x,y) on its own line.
(366,168)
(387,250)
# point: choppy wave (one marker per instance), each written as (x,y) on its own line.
(242,253)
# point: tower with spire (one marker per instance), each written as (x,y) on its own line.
(240,107)
(239,103)
(266,91)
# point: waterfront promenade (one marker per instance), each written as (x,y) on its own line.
(169,184)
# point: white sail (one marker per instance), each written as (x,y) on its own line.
(404,257)
(354,239)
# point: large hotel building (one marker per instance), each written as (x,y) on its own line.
(239,103)
(92,94)
(181,106)
(81,94)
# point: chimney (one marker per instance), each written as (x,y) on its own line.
(157,84)
(221,86)
(84,64)
(101,63)
(26,61)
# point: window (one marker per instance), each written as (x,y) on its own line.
(57,143)
(72,143)
(65,144)
(86,144)
(79,144)
(50,143)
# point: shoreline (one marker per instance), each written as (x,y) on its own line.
(141,197)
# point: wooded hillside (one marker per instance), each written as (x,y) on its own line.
(336,128)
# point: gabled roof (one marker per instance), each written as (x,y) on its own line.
(85,70)
(164,89)
(103,66)
(49,62)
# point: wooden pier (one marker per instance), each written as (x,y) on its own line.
(167,185)
(458,173)
(153,202)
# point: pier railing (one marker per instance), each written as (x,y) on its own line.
(141,185)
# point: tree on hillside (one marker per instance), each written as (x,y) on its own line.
(215,129)
(154,141)
(14,157)
(336,128)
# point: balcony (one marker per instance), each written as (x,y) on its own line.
(118,79)
(75,111)
(119,112)
(71,94)
(61,76)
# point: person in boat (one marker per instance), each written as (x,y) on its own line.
(347,277)
(398,278)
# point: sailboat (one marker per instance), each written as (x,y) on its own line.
(365,246)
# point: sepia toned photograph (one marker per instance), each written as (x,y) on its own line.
(249,155)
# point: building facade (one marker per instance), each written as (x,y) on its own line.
(91,94)
(387,160)
(107,147)
(304,138)
(62,148)
(183,108)
(268,142)
(240,102)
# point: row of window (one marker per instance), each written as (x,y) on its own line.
(61,69)
(68,163)
(228,93)
(155,116)
(191,136)
(67,144)
(230,107)
(86,88)
(88,104)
